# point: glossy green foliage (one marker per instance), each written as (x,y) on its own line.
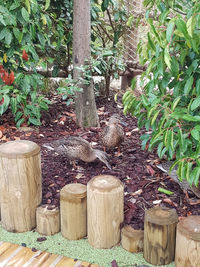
(169,106)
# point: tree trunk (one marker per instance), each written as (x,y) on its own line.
(86,113)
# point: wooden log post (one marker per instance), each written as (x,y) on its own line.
(20,184)
(48,220)
(105,210)
(73,208)
(159,235)
(187,252)
(131,239)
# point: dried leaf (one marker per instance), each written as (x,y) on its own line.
(150,170)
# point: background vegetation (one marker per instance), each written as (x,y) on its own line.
(169,104)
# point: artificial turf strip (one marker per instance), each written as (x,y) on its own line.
(80,249)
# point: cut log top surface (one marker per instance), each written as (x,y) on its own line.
(105,183)
(19,149)
(75,190)
(161,215)
(190,227)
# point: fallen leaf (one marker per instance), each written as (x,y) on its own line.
(150,170)
(135,130)
(79,175)
(194,202)
(128,133)
(170,202)
(138,192)
(155,202)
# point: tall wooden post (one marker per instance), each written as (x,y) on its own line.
(86,113)
(20,184)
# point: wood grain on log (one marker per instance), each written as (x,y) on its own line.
(131,239)
(105,202)
(20,184)
(159,235)
(188,242)
(48,220)
(73,208)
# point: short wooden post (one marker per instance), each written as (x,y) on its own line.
(131,239)
(48,220)
(73,208)
(159,235)
(188,242)
(105,210)
(20,184)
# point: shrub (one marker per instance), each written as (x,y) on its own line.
(169,106)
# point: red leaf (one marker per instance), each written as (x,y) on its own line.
(150,170)
(24,55)
(2,101)
(12,77)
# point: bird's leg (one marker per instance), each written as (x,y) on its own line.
(74,164)
(104,149)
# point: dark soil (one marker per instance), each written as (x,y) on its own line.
(135,168)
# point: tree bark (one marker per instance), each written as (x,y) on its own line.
(86,113)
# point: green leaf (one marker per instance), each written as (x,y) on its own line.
(150,42)
(8,38)
(195,134)
(13,103)
(175,102)
(27,2)
(170,29)
(155,117)
(25,14)
(197,176)
(167,57)
(18,115)
(196,103)
(17,33)
(167,192)
(198,86)
(20,121)
(188,85)
(34,121)
(189,117)
(191,25)
(181,25)
(144,100)
(47,4)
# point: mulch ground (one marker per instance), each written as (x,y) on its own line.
(135,167)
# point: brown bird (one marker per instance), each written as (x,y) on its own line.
(113,134)
(77,148)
